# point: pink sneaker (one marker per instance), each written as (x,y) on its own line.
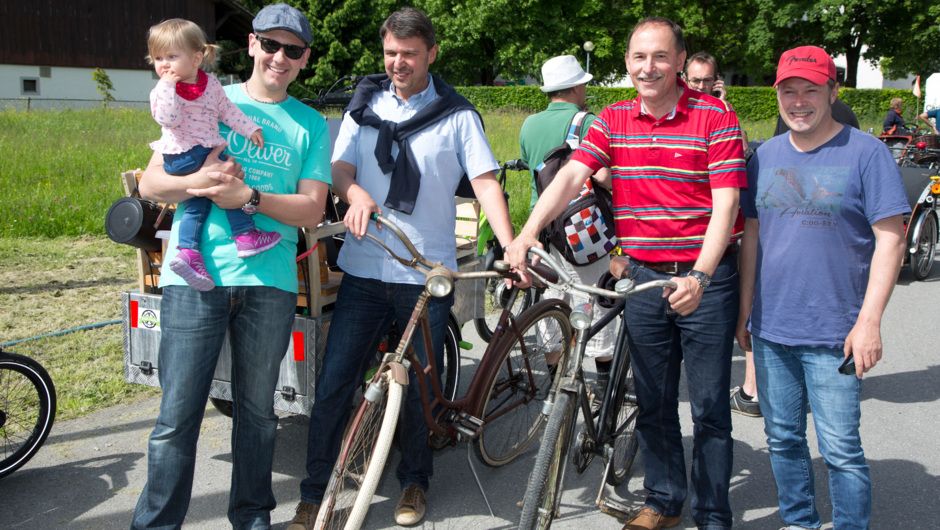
(189,266)
(256,242)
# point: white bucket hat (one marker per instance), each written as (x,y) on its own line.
(564,71)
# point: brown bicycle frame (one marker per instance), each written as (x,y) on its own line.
(473,400)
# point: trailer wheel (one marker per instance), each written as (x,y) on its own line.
(224,406)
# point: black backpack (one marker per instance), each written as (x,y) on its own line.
(584,232)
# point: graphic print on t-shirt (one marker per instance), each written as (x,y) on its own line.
(810,195)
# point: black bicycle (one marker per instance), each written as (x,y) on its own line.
(607,432)
(27,409)
(495,292)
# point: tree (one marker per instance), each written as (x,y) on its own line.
(345,39)
(104,85)
(903,32)
(482,39)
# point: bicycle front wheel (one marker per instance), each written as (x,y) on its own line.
(543,493)
(495,298)
(625,443)
(512,407)
(27,410)
(362,457)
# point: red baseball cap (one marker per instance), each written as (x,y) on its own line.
(809,62)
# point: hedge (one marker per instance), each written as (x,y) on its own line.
(751,103)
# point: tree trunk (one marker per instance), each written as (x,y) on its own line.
(852,56)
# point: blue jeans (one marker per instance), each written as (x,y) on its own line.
(364,311)
(194,324)
(660,341)
(789,377)
(196,210)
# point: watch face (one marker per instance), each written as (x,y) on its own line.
(251,207)
(703,279)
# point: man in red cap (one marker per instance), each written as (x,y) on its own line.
(822,247)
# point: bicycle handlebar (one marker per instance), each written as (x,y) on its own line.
(515,165)
(624,288)
(419,260)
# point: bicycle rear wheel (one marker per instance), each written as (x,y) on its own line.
(27,410)
(362,457)
(625,444)
(512,407)
(495,297)
(543,493)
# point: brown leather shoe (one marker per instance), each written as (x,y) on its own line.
(410,509)
(305,517)
(650,519)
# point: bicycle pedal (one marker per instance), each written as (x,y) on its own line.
(615,509)
(467,419)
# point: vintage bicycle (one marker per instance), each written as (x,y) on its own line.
(27,409)
(500,413)
(607,432)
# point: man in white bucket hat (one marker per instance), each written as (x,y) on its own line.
(566,87)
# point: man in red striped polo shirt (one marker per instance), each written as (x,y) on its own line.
(677,165)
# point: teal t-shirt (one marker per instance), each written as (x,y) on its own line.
(296,146)
(545,131)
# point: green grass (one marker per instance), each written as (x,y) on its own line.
(51,285)
(60,169)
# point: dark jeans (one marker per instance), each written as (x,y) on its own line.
(194,324)
(364,311)
(196,210)
(659,341)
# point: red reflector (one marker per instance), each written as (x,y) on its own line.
(299,346)
(133,313)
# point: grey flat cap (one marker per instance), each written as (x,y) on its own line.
(283,16)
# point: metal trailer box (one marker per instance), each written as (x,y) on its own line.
(296,385)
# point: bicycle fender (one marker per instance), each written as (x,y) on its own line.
(398,373)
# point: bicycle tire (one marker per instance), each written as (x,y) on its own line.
(926,246)
(27,410)
(493,294)
(450,372)
(361,460)
(543,492)
(625,444)
(512,406)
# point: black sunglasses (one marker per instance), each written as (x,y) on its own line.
(292,51)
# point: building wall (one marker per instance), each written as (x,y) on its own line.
(74,83)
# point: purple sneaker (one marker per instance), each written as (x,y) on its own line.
(189,266)
(256,242)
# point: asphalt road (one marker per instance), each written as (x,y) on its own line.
(91,470)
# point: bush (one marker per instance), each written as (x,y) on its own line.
(751,103)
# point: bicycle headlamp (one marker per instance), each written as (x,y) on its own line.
(439,283)
(581,316)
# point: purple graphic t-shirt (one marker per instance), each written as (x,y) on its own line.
(815,211)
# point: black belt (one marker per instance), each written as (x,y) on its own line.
(675,267)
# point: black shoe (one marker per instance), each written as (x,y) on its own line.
(746,407)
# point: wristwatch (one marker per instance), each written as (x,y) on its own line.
(251,207)
(703,279)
